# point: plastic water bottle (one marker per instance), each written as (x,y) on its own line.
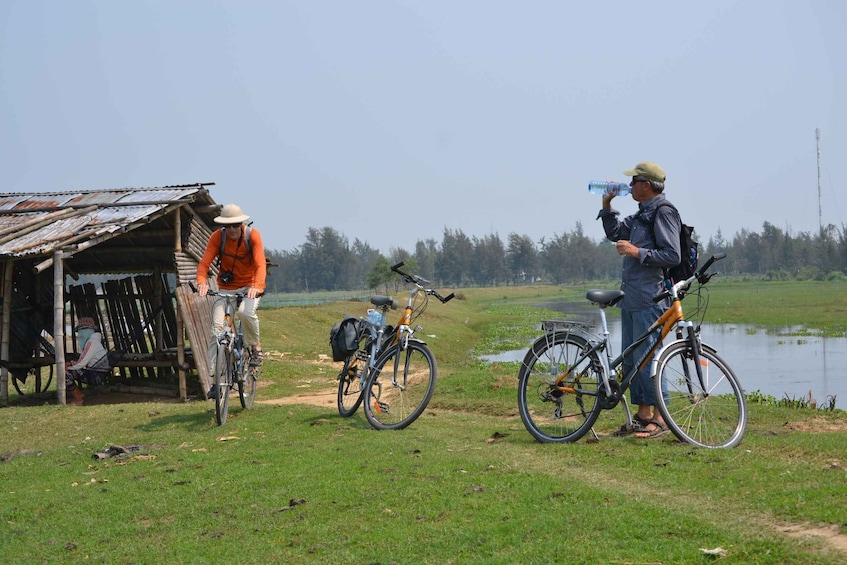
(608,187)
(374,317)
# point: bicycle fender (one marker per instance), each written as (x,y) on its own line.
(655,362)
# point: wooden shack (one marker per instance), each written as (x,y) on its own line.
(123,256)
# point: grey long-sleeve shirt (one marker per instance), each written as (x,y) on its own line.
(642,278)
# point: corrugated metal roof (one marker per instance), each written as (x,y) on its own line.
(35,225)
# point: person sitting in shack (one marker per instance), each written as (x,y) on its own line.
(92,367)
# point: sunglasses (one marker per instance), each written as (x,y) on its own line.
(636,181)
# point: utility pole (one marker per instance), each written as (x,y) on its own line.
(818,146)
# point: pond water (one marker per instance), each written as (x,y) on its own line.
(775,364)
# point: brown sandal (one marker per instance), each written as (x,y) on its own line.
(637,426)
(256,358)
(658,430)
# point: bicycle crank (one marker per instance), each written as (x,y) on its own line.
(608,402)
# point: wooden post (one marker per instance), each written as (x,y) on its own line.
(59,323)
(6,331)
(180,328)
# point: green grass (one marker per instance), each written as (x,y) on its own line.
(464,484)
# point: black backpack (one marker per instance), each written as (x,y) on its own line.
(344,338)
(688,248)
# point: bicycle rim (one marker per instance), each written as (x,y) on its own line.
(548,413)
(247,382)
(400,387)
(350,389)
(712,414)
(222,370)
(35,381)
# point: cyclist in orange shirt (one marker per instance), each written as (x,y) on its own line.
(241,267)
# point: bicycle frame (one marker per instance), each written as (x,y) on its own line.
(672,318)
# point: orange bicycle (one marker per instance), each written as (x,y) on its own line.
(394,372)
(568,376)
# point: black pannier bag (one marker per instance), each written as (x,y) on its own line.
(344,338)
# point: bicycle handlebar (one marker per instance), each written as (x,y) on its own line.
(700,276)
(420,282)
(224,293)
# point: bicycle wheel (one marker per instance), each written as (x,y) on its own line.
(551,414)
(351,385)
(707,413)
(400,386)
(34,381)
(222,376)
(247,378)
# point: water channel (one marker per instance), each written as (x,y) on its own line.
(769,361)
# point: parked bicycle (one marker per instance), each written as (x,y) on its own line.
(36,379)
(232,370)
(565,380)
(391,369)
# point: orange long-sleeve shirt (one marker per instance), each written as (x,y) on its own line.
(247,269)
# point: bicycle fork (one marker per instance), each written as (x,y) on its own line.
(699,363)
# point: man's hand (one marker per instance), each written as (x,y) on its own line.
(626,248)
(202,288)
(607,200)
(253,292)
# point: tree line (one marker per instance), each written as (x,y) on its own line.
(328,261)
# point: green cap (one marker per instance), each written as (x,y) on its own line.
(647,169)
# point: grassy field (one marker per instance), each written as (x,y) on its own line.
(292,482)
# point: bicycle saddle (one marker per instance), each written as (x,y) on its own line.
(383,300)
(604,298)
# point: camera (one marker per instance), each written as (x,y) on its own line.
(226,277)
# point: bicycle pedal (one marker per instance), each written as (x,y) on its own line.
(380,407)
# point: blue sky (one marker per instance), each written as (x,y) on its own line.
(394,120)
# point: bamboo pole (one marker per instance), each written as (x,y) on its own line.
(59,324)
(8,271)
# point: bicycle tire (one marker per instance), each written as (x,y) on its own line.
(549,414)
(711,415)
(351,388)
(222,374)
(400,386)
(247,378)
(33,382)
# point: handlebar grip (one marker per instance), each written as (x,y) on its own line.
(449,297)
(192,287)
(712,259)
(397,266)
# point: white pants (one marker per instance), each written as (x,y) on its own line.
(249,324)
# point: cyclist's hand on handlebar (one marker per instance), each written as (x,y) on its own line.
(253,292)
(202,288)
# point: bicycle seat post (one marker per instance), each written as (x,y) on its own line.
(604,327)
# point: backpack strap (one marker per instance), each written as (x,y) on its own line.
(652,220)
(247,230)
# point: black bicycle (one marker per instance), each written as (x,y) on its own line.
(233,370)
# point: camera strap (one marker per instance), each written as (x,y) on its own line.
(234,257)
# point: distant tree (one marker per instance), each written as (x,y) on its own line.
(488,261)
(453,265)
(426,254)
(325,260)
(522,259)
(380,273)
